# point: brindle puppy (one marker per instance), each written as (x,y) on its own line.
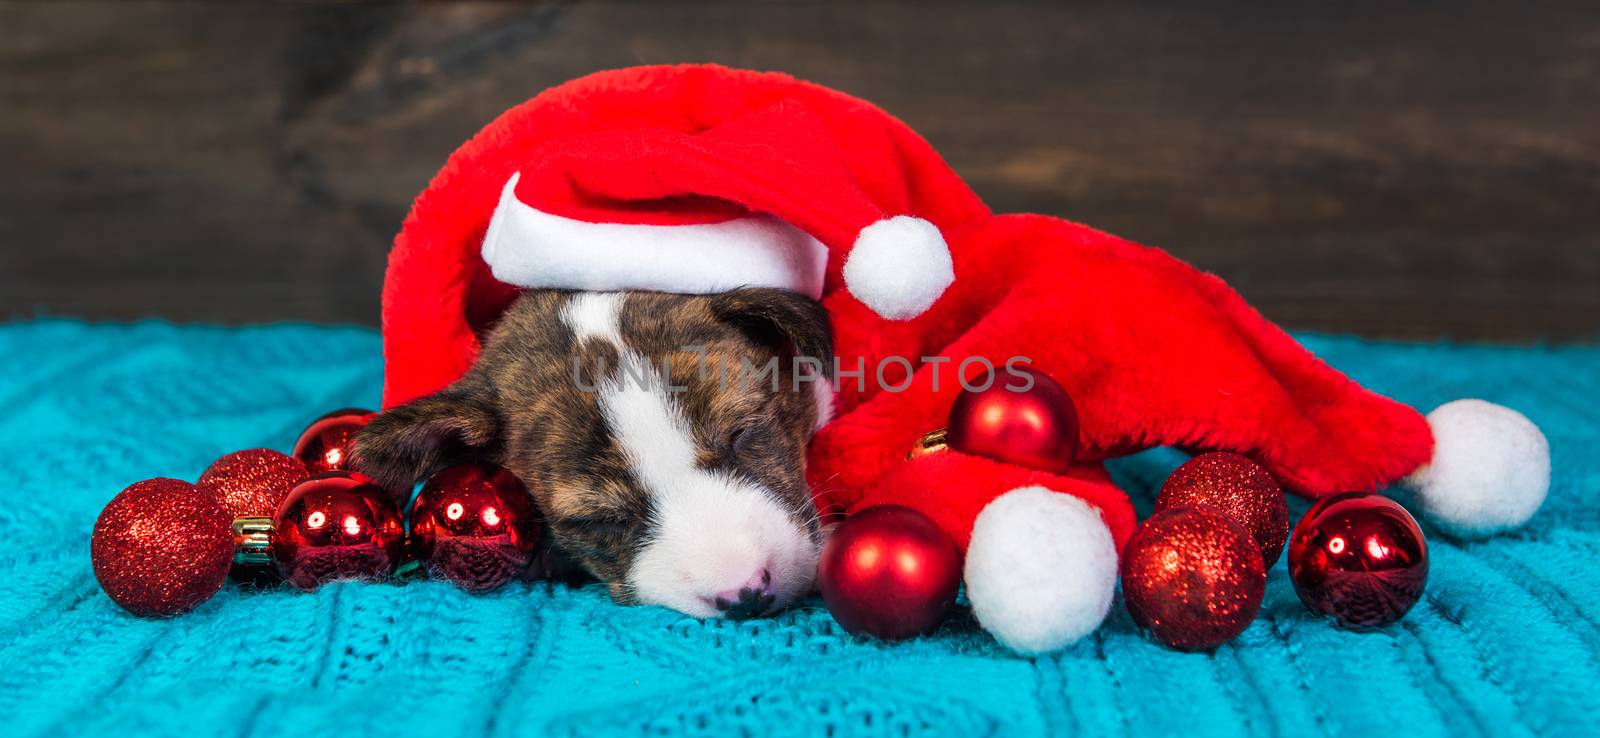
(667,461)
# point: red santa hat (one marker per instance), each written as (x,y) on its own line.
(694,179)
(700,179)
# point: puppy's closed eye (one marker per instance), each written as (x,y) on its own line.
(598,525)
(752,434)
(609,533)
(742,440)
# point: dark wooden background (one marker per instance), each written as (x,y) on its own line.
(1392,169)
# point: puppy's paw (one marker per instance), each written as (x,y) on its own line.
(409,442)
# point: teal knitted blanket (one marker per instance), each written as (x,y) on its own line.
(1506,641)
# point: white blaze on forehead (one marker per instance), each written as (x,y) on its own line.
(595,315)
(643,418)
(711,531)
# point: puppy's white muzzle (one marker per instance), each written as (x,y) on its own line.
(723,548)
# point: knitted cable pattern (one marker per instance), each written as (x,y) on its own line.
(1506,641)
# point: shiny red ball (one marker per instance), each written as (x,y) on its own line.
(162,547)
(1238,488)
(1360,558)
(325,445)
(252,482)
(890,572)
(475,525)
(1193,578)
(1017,415)
(337,525)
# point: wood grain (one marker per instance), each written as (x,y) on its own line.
(1381,168)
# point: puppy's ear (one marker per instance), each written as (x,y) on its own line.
(780,318)
(409,442)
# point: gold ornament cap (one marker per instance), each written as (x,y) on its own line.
(252,540)
(931,442)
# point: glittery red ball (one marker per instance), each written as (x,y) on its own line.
(475,525)
(252,482)
(1240,490)
(1192,577)
(1028,421)
(890,572)
(162,547)
(325,445)
(1360,558)
(337,525)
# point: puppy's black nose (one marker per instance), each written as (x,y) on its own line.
(751,600)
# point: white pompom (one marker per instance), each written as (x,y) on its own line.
(898,267)
(1490,469)
(1041,569)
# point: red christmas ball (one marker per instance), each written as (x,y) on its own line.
(325,445)
(1240,490)
(1360,558)
(252,482)
(1192,577)
(475,525)
(1028,420)
(890,572)
(337,525)
(162,547)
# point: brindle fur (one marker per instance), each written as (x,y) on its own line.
(524,406)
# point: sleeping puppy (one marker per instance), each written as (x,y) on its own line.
(662,436)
